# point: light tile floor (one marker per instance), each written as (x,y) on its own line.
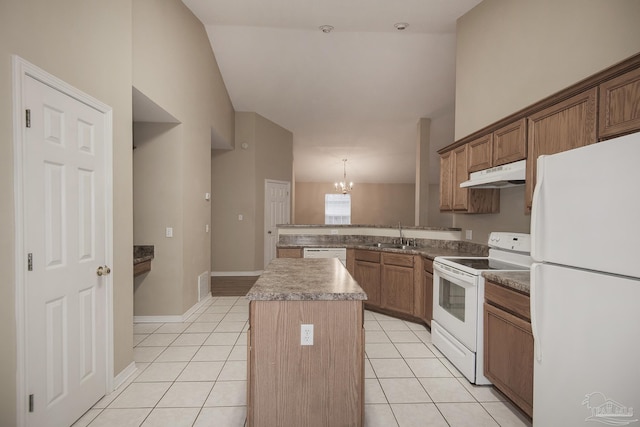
(193,374)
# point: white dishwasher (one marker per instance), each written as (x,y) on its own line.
(340,253)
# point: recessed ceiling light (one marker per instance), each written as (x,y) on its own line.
(401,26)
(326,28)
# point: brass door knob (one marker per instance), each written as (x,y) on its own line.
(103,270)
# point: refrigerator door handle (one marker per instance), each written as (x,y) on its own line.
(535,210)
(534,293)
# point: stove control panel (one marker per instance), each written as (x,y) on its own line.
(519,242)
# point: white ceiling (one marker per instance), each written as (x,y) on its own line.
(355,93)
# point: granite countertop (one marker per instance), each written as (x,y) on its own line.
(337,226)
(516,280)
(427,251)
(142,253)
(306,279)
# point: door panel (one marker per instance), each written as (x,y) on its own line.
(65,230)
(277,211)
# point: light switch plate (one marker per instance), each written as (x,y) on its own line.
(468,234)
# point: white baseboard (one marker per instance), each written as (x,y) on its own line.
(120,379)
(236,273)
(176,318)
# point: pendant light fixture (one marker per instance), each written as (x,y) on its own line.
(342,186)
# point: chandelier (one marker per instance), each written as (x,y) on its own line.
(342,186)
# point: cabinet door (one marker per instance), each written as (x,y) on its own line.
(510,143)
(620,105)
(397,288)
(446,182)
(480,153)
(367,274)
(508,356)
(460,174)
(561,127)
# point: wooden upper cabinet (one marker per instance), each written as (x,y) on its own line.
(566,125)
(446,183)
(620,105)
(505,145)
(480,153)
(510,143)
(460,175)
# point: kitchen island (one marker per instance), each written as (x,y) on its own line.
(290,384)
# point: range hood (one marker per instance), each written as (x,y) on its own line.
(503,176)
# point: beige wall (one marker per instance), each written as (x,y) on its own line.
(157,190)
(422,172)
(274,161)
(237,185)
(88,45)
(378,204)
(175,67)
(437,218)
(511,54)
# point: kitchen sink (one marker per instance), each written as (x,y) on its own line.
(391,246)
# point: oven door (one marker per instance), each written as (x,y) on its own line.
(455,303)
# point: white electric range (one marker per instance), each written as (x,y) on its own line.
(458,298)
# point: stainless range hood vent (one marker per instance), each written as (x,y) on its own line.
(503,176)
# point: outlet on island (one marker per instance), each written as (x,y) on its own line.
(306,334)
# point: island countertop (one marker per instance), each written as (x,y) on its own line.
(306,279)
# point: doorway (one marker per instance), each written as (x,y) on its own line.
(277,210)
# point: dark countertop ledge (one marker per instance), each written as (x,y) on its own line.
(516,280)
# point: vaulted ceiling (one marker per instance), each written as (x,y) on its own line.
(356,92)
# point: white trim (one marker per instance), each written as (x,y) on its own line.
(124,375)
(236,273)
(175,318)
(22,69)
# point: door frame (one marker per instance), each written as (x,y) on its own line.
(21,70)
(268,181)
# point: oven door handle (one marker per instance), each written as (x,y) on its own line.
(453,278)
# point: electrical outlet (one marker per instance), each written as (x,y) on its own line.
(169,232)
(306,334)
(334,231)
(468,234)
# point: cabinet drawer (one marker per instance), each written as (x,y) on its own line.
(371,256)
(512,301)
(428,265)
(399,260)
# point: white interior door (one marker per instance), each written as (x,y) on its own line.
(65,232)
(277,210)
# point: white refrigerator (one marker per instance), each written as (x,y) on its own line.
(585,286)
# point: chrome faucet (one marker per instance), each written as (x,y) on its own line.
(400,230)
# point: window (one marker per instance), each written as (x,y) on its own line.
(337,208)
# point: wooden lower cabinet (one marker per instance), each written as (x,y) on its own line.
(366,272)
(396,284)
(314,386)
(397,287)
(508,345)
(427,279)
